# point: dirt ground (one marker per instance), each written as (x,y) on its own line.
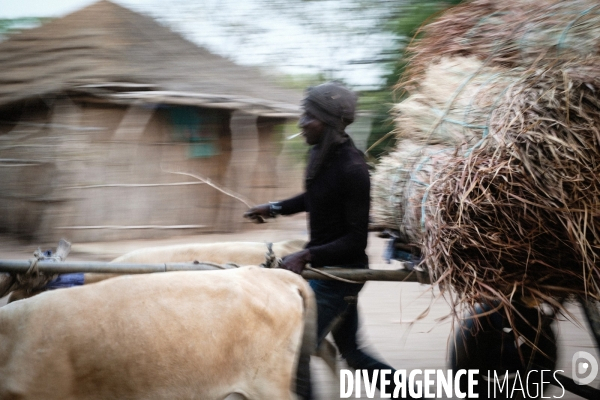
(391,327)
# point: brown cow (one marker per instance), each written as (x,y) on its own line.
(176,335)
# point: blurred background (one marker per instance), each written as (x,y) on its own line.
(132,119)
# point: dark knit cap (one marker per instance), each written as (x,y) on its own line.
(332,104)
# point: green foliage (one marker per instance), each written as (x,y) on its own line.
(404,22)
(378,104)
(15,25)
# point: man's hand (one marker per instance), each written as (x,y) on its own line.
(296,262)
(259,213)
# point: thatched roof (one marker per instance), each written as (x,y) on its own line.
(107,49)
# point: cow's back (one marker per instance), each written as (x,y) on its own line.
(241,253)
(159,336)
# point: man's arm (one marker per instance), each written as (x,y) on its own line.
(289,206)
(292,205)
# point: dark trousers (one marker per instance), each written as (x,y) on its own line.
(337,305)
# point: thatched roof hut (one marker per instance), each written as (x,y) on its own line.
(113,52)
(97,108)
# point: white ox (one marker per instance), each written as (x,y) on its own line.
(240,253)
(177,335)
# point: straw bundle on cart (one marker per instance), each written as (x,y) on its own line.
(512,87)
(399,186)
(510,34)
(520,214)
(448,114)
(452,104)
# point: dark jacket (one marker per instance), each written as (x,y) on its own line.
(337,202)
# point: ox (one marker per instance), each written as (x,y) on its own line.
(176,335)
(240,253)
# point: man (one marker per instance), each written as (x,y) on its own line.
(337,201)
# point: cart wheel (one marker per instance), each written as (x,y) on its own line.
(487,343)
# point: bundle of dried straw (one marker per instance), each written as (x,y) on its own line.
(510,34)
(449,114)
(518,214)
(399,186)
(453,103)
(511,92)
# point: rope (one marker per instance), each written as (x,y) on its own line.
(212,264)
(33,279)
(563,35)
(271,260)
(33,267)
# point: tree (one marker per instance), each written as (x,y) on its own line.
(404,22)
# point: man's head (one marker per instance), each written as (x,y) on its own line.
(328,104)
